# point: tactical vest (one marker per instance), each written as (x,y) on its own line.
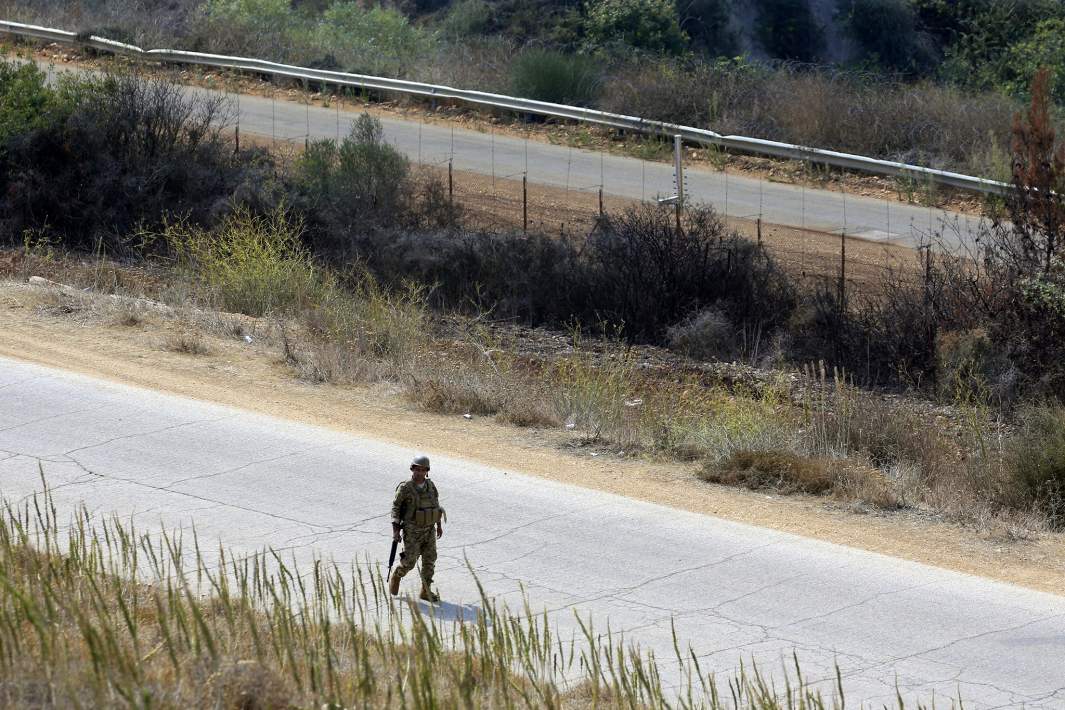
(423,509)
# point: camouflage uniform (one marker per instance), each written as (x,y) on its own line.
(418,512)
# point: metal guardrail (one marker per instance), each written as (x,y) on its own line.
(755,146)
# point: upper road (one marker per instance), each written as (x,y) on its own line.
(735,592)
(570,168)
(558,166)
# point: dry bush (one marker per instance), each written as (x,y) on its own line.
(129,315)
(787,472)
(187,342)
(1036,462)
(247,685)
(779,470)
(476,378)
(852,112)
(320,361)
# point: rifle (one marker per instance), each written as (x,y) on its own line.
(392,558)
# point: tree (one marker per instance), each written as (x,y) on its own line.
(1037,203)
(1045,48)
(650,25)
(886,31)
(709,25)
(788,30)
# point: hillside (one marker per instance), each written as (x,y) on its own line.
(919,80)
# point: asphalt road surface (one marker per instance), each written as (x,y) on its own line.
(573,169)
(735,592)
(563,167)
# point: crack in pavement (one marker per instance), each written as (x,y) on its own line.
(855,605)
(338,530)
(249,465)
(152,432)
(710,609)
(49,417)
(618,592)
(537,521)
(161,489)
(911,656)
(35,378)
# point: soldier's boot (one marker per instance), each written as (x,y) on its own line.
(428,595)
(393,582)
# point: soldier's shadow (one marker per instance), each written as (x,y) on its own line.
(446,611)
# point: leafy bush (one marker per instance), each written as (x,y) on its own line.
(375,41)
(358,184)
(1045,48)
(267,28)
(788,30)
(978,37)
(26,103)
(547,75)
(649,25)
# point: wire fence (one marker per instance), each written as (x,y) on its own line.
(504,176)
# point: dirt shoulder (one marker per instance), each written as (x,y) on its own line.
(253,377)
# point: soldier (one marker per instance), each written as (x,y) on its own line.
(415,511)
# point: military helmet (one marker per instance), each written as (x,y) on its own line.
(421,460)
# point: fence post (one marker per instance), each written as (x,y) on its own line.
(759,235)
(929,306)
(525,204)
(678,174)
(450,186)
(600,202)
(842,272)
(236,137)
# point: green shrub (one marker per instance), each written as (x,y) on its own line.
(378,40)
(1038,461)
(978,37)
(269,29)
(360,183)
(26,102)
(546,75)
(788,30)
(649,25)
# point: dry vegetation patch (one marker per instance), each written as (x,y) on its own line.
(96,614)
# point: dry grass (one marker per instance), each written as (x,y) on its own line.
(94,614)
(188,343)
(957,462)
(779,470)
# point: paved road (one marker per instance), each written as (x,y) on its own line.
(735,591)
(559,166)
